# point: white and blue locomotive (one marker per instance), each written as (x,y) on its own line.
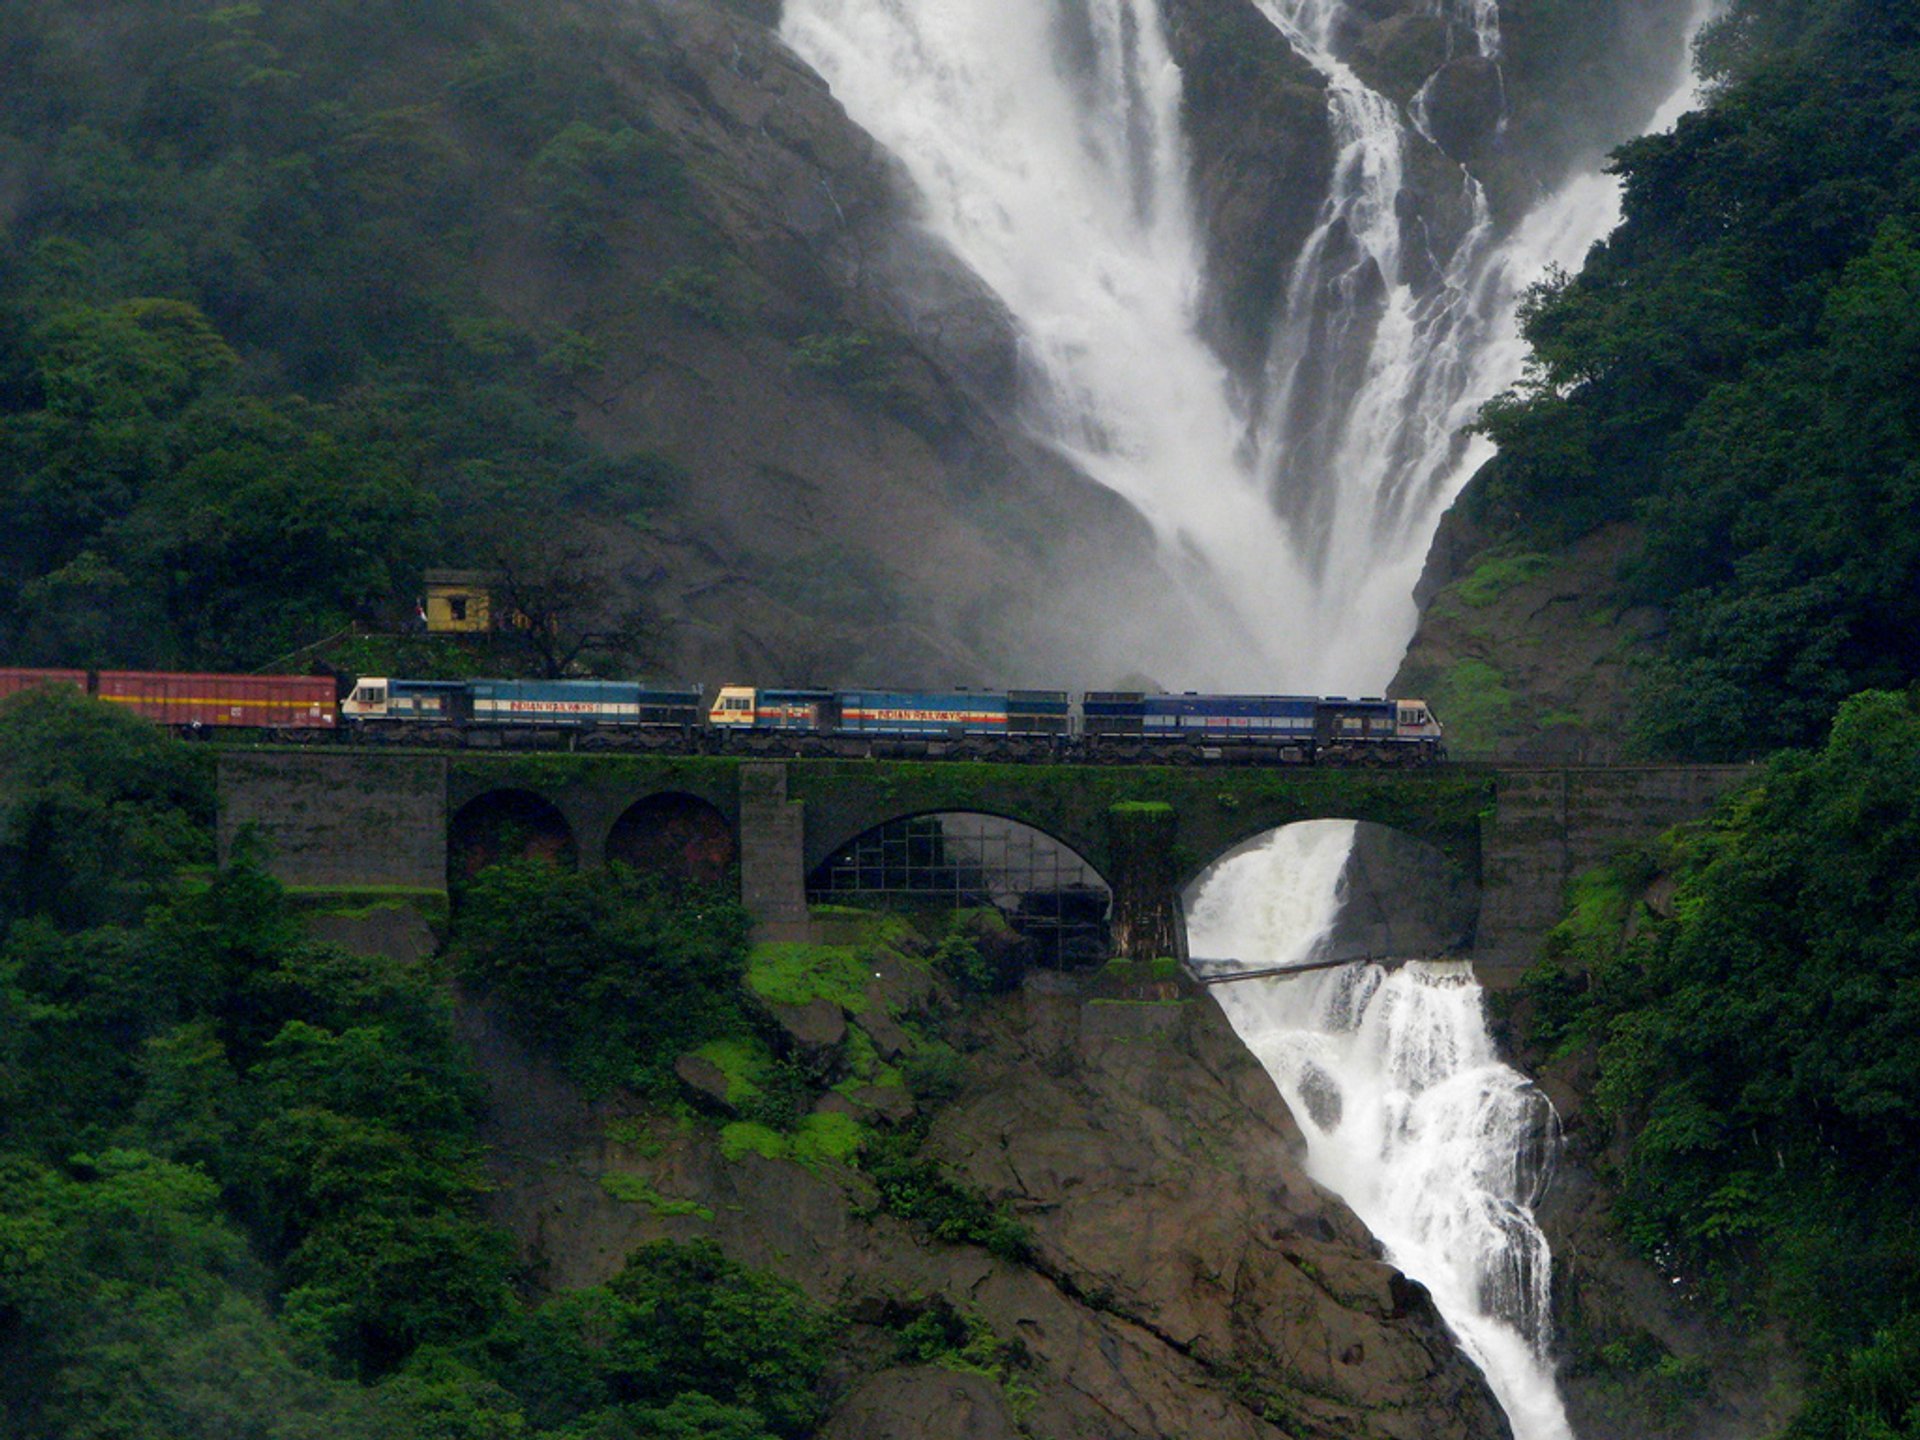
(985,724)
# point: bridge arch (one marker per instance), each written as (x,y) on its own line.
(504,823)
(1045,887)
(675,834)
(1377,890)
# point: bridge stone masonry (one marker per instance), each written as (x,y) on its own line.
(348,820)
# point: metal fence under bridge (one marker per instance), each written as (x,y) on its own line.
(961,861)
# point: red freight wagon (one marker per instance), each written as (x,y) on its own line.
(278,702)
(12,682)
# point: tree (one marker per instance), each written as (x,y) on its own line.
(97,809)
(555,603)
(618,974)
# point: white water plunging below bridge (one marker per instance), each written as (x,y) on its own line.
(1408,1112)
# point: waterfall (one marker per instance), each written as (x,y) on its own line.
(1047,147)
(1409,1114)
(1294,510)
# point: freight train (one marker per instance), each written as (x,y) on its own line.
(1117,726)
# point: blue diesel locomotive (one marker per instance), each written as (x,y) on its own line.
(1102,725)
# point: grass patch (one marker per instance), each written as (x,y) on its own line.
(633,1135)
(1163,967)
(360,901)
(1498,573)
(818,1140)
(749,1136)
(1474,703)
(789,973)
(743,1059)
(828,1139)
(633,1190)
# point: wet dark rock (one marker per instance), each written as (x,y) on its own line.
(1464,103)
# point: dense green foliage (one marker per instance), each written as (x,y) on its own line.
(1736,367)
(240,1170)
(681,1343)
(97,810)
(250,382)
(203,1111)
(616,974)
(1759,1052)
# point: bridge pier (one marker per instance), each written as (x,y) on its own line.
(1146,884)
(773,854)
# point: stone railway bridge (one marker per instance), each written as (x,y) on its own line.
(356,820)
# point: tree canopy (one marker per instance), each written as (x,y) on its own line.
(1758,1047)
(250,384)
(1735,366)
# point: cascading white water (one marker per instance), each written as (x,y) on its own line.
(1294,508)
(1050,158)
(1408,1113)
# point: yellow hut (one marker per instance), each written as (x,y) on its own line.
(459,602)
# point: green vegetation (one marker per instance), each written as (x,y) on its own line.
(910,1184)
(683,1342)
(634,1190)
(981,953)
(202,1112)
(1735,367)
(940,1334)
(1494,574)
(98,810)
(815,1141)
(1758,1046)
(616,974)
(1476,704)
(250,383)
(240,1174)
(797,974)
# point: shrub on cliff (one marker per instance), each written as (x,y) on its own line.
(614,973)
(682,1342)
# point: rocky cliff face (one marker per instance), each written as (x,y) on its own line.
(1526,654)
(1183,1277)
